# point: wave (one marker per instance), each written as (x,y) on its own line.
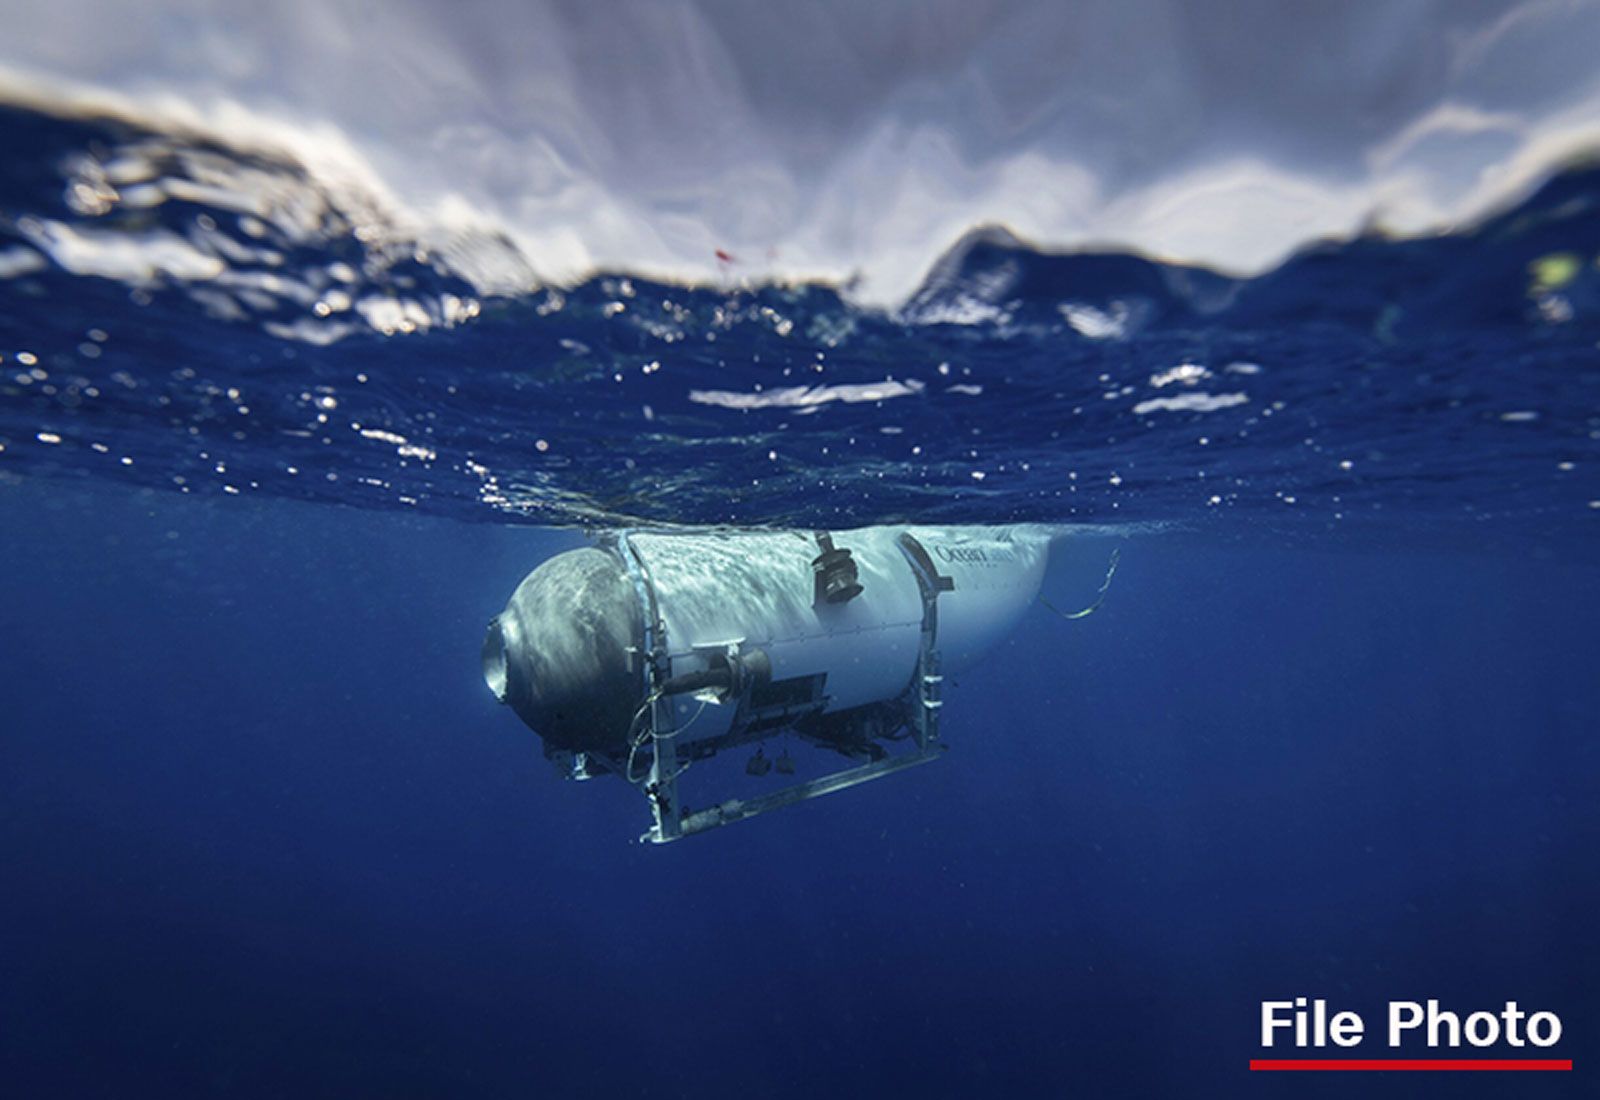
(181,313)
(541,144)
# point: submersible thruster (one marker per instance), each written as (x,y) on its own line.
(652,650)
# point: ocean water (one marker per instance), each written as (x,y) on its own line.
(270,458)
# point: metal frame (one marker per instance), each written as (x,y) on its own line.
(922,701)
(928,685)
(662,788)
(735,809)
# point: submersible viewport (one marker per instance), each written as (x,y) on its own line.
(652,650)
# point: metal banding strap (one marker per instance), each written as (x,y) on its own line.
(926,687)
(653,643)
(662,789)
(929,578)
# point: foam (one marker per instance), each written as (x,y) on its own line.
(842,143)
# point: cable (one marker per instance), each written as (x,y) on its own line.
(1100,597)
(635,742)
(652,735)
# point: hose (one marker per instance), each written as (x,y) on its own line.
(1100,597)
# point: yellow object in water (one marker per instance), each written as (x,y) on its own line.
(1554,271)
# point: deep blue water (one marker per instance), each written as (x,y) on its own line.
(266,834)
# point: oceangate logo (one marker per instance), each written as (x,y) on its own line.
(973,555)
(1511,1032)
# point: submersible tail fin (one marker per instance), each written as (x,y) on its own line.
(1100,596)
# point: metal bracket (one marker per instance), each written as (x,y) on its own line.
(927,685)
(923,700)
(662,785)
(736,809)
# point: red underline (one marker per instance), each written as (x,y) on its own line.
(1413,1064)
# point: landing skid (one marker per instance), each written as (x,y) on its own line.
(740,809)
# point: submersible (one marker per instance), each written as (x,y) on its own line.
(651,650)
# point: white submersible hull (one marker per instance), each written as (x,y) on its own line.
(654,649)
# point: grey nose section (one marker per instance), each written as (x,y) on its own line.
(559,654)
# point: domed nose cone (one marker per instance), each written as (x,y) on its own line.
(559,653)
